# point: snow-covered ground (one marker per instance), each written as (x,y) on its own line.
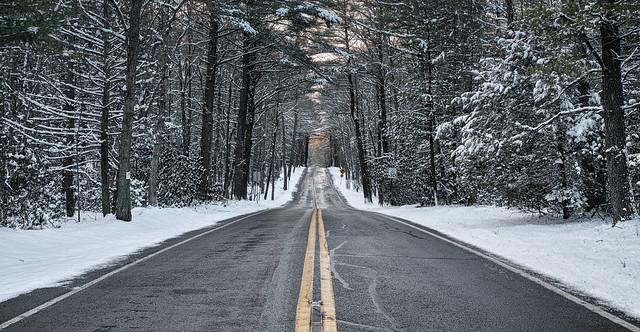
(49,257)
(586,255)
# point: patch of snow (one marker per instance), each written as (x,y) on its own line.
(45,258)
(584,254)
(329,15)
(582,128)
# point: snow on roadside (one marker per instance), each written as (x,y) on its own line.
(586,255)
(49,257)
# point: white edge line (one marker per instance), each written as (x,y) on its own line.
(594,308)
(118,270)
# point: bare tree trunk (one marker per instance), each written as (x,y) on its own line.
(162,110)
(207,115)
(273,156)
(123,206)
(362,158)
(246,113)
(185,80)
(152,195)
(186,134)
(284,153)
(364,174)
(294,145)
(306,151)
(67,162)
(382,95)
(382,122)
(104,118)
(219,140)
(432,158)
(562,168)
(612,101)
(431,121)
(273,188)
(510,11)
(227,135)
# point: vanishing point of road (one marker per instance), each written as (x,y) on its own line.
(315,264)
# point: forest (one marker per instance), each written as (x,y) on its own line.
(106,105)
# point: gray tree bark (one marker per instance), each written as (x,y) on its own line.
(104,117)
(67,162)
(510,11)
(612,101)
(272,150)
(294,146)
(246,113)
(362,158)
(207,115)
(152,195)
(123,205)
(284,153)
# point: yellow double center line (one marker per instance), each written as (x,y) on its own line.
(305,300)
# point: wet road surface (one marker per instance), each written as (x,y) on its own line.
(245,274)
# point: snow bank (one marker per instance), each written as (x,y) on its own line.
(586,255)
(49,257)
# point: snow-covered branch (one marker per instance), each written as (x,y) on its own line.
(562,114)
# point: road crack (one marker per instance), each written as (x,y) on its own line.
(362,326)
(335,273)
(377,302)
(373,293)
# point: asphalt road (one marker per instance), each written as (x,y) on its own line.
(245,275)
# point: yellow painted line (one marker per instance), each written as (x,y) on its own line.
(303,312)
(326,285)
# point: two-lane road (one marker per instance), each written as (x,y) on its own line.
(246,275)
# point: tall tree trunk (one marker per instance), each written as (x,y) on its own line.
(273,187)
(207,115)
(612,101)
(510,11)
(123,206)
(186,110)
(219,139)
(183,109)
(432,157)
(273,156)
(306,151)
(362,158)
(284,153)
(152,194)
(294,138)
(104,117)
(246,113)
(227,150)
(382,95)
(562,168)
(382,122)
(431,122)
(154,171)
(67,162)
